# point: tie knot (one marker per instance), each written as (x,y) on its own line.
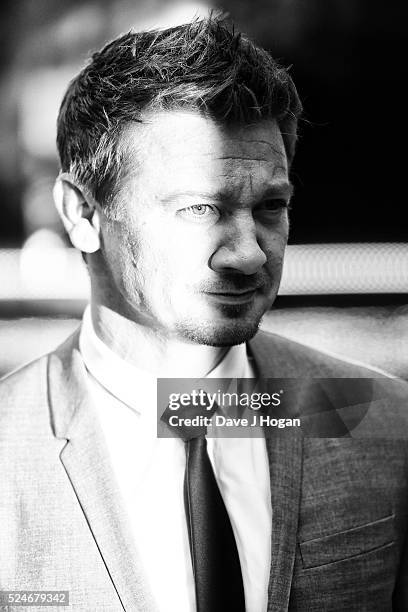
(192,417)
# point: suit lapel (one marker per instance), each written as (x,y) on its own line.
(85,458)
(285,453)
(285,465)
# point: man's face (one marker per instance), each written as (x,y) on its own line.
(195,249)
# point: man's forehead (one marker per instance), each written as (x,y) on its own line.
(182,136)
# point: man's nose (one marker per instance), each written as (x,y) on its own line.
(240,250)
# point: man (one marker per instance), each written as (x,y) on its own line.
(175,152)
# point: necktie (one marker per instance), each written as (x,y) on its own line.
(214,554)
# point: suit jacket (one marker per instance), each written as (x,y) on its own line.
(340,504)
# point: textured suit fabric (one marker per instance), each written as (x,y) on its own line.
(340,505)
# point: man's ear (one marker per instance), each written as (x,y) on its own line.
(78,214)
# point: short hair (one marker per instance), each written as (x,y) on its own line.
(203,65)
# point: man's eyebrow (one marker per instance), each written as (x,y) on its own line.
(190,193)
(281,189)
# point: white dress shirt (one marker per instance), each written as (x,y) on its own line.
(150,475)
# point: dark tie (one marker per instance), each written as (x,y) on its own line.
(214,554)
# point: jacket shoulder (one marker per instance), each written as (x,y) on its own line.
(20,384)
(277,355)
(353,389)
(24,394)
(23,398)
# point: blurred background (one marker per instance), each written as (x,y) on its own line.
(345,280)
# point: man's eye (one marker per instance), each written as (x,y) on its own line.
(199,211)
(271,211)
(274,205)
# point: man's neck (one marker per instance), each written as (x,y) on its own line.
(146,349)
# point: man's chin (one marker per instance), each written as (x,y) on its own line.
(221,334)
(223,324)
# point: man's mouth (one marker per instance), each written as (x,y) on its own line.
(234,296)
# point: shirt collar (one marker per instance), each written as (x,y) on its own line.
(121,379)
